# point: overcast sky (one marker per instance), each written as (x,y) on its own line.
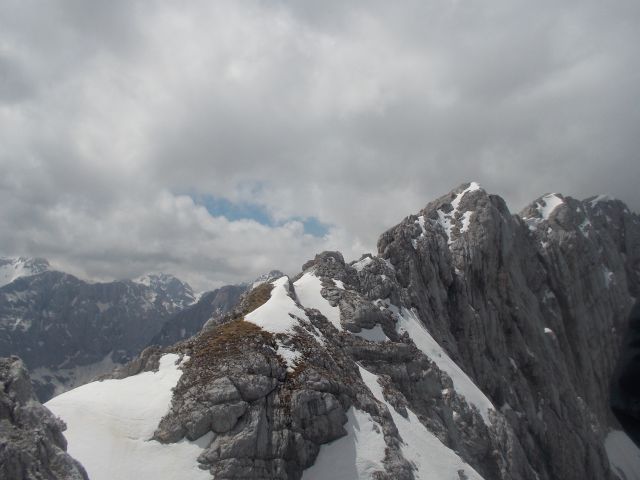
(219,139)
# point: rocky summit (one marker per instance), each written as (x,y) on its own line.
(477,344)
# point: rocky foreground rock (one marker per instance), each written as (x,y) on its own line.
(32,446)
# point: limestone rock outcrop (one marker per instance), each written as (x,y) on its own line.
(32,446)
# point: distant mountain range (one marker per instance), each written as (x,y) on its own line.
(68,331)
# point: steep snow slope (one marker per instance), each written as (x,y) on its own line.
(624,455)
(408,322)
(355,456)
(279,314)
(433,460)
(308,288)
(110,425)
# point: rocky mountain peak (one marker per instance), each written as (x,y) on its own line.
(13,268)
(179,293)
(265,277)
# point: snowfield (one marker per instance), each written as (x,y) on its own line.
(354,457)
(275,315)
(110,425)
(549,203)
(432,459)
(308,289)
(623,454)
(463,385)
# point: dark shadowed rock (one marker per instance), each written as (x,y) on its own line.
(190,321)
(32,446)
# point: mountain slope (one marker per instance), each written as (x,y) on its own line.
(190,320)
(476,344)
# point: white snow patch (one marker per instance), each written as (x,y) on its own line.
(432,459)
(548,331)
(375,334)
(110,425)
(275,315)
(532,223)
(143,280)
(608,276)
(421,222)
(290,356)
(447,219)
(549,203)
(409,322)
(308,288)
(623,454)
(339,284)
(473,186)
(359,266)
(466,221)
(444,219)
(354,457)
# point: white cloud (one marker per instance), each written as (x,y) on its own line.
(357,113)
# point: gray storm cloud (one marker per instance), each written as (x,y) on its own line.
(353,113)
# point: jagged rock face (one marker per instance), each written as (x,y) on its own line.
(68,331)
(264,278)
(189,321)
(177,294)
(530,307)
(32,446)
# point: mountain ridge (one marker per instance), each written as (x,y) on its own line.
(486,335)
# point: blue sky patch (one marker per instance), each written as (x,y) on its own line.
(221,207)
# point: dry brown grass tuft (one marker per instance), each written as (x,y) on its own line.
(257,297)
(230,339)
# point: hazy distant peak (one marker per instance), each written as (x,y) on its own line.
(12,268)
